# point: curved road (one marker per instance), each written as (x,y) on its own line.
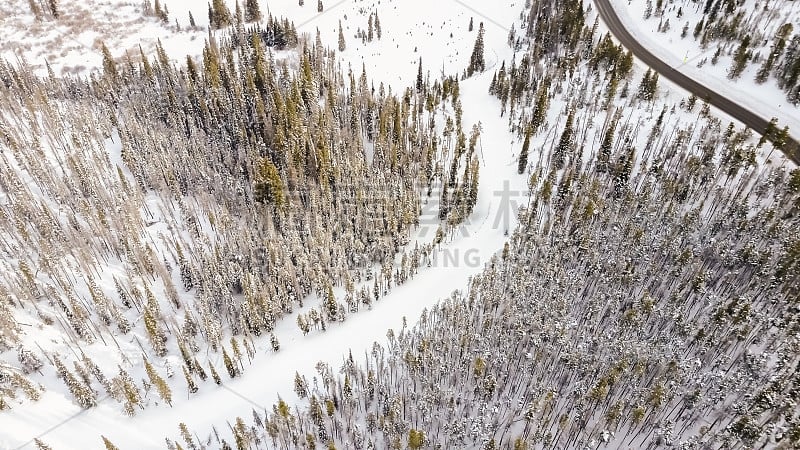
(791,149)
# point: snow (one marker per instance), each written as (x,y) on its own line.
(441,38)
(392,60)
(684,54)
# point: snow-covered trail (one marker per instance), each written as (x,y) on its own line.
(64,425)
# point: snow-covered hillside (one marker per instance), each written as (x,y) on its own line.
(260,212)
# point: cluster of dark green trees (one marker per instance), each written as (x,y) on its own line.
(219,15)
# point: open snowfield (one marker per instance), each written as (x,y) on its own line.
(436,32)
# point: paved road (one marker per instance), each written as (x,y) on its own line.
(744,115)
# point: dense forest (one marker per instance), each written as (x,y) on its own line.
(185,205)
(646,300)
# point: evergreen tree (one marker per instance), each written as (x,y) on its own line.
(319,6)
(161,13)
(35,9)
(523,155)
(269,187)
(83,394)
(476,61)
(377,26)
(740,58)
(127,391)
(109,65)
(237,14)
(604,156)
(648,85)
(40,445)
(192,23)
(252,12)
(698,29)
(219,16)
(419,75)
(161,386)
(154,333)
(108,444)
(542,104)
(232,369)
(274,343)
(775,53)
(342,44)
(416,439)
(214,375)
(470,27)
(566,142)
(190,384)
(54,8)
(300,386)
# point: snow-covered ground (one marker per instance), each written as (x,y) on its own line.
(444,43)
(686,53)
(413,29)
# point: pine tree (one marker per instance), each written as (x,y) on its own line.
(214,375)
(377,26)
(342,45)
(108,444)
(154,333)
(192,23)
(319,6)
(740,58)
(40,445)
(219,14)
(161,13)
(565,144)
(416,439)
(232,369)
(370,28)
(604,156)
(470,28)
(476,61)
(237,14)
(252,12)
(83,394)
(419,76)
(542,104)
(189,380)
(161,386)
(54,8)
(698,29)
(273,340)
(269,187)
(648,85)
(109,65)
(523,155)
(300,386)
(775,53)
(35,9)
(127,391)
